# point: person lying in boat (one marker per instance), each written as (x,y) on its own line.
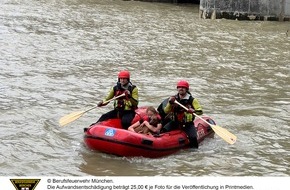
(150,124)
(181,118)
(124,107)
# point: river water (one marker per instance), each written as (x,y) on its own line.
(63,56)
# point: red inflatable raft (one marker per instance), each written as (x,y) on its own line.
(109,137)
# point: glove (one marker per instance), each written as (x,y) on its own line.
(127,94)
(190,110)
(100,103)
(171,100)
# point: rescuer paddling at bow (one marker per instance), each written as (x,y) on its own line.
(124,107)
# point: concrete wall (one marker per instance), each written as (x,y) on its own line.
(246,9)
(287,7)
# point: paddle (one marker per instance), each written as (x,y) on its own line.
(223,133)
(75,115)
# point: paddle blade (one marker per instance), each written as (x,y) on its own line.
(224,134)
(70,118)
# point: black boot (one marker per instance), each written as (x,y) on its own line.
(193,143)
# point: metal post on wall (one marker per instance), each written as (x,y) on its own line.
(213,14)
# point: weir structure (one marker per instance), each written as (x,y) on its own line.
(272,10)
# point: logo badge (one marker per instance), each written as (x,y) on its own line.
(24,184)
(110,132)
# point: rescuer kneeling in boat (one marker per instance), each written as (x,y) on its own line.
(181,118)
(124,107)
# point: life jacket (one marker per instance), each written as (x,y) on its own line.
(120,103)
(180,114)
(177,113)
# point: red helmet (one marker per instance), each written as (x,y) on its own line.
(183,83)
(124,74)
